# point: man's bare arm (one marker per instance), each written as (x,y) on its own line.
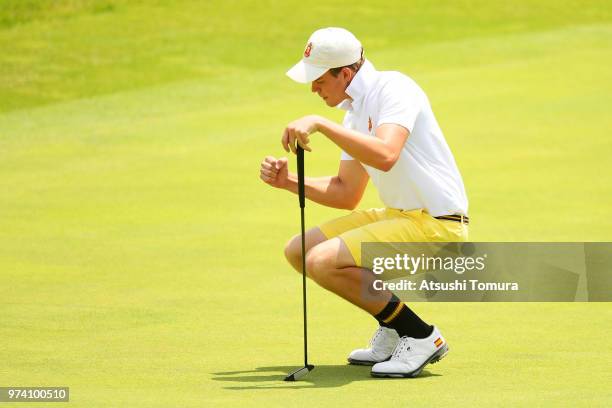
(380,152)
(342,191)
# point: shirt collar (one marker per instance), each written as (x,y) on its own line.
(361,84)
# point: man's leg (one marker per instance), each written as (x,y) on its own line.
(403,344)
(332,266)
(293,249)
(332,228)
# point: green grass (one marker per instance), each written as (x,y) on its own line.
(141,256)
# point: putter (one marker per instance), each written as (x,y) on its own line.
(299,373)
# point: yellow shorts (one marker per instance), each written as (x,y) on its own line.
(392,225)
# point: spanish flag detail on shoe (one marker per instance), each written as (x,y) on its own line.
(412,355)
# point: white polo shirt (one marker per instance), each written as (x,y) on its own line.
(425,174)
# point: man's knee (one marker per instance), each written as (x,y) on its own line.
(293,252)
(293,248)
(329,261)
(317,262)
(322,261)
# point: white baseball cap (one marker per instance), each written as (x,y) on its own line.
(326,48)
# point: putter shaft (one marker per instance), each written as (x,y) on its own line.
(296,375)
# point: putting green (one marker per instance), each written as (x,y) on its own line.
(141,257)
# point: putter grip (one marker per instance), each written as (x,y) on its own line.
(300,169)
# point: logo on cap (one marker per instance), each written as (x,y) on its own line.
(307,50)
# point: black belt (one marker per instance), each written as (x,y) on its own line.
(464,219)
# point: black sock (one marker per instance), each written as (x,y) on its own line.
(398,316)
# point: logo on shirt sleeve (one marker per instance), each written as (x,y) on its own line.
(369,124)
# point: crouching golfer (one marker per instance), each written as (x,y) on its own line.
(389,135)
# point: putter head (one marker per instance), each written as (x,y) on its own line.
(299,373)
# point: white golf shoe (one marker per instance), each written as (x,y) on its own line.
(381,347)
(412,355)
